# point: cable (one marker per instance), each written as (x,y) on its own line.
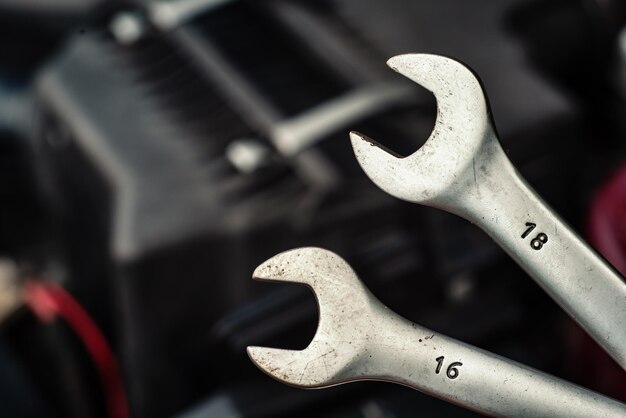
(607,220)
(48,301)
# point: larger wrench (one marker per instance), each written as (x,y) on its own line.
(462,169)
(359,338)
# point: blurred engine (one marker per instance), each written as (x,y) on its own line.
(153,153)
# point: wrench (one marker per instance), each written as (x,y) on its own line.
(462,169)
(359,338)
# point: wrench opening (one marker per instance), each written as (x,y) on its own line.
(341,300)
(462,128)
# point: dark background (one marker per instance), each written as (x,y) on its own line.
(142,170)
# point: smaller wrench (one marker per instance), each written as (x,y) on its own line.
(462,169)
(359,338)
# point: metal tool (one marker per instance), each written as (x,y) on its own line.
(462,169)
(359,338)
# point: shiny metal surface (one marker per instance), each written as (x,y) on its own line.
(462,169)
(358,338)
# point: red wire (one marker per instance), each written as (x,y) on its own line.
(49,300)
(607,221)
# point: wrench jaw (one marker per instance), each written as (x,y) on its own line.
(342,301)
(390,172)
(448,159)
(300,368)
(320,365)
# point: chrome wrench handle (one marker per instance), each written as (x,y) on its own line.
(358,338)
(479,380)
(536,237)
(462,169)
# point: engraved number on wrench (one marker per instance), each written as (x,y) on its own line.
(538,242)
(452,372)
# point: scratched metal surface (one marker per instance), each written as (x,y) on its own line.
(358,338)
(463,169)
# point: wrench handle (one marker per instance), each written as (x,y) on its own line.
(479,380)
(565,266)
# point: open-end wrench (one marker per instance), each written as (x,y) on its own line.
(359,338)
(462,169)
